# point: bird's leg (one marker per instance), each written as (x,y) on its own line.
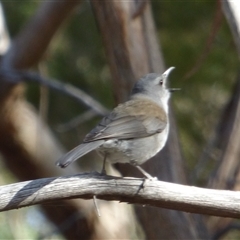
(103,172)
(147,175)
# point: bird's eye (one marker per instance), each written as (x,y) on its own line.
(161,82)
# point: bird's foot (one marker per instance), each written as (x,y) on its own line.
(147,175)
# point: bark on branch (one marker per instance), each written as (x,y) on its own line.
(131,190)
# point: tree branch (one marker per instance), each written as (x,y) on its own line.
(131,190)
(16,76)
(37,34)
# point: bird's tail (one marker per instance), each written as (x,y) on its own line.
(78,152)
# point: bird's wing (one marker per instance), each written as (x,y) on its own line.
(129,120)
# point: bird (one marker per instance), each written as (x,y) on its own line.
(134,131)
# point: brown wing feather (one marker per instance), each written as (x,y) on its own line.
(128,120)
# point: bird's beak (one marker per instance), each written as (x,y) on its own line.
(167,72)
(174,89)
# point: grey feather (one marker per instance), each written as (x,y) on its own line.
(78,152)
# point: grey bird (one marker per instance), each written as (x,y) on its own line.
(135,130)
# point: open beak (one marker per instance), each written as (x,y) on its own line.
(167,72)
(174,89)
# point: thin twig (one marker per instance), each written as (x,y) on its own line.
(217,21)
(18,76)
(96,205)
(73,123)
